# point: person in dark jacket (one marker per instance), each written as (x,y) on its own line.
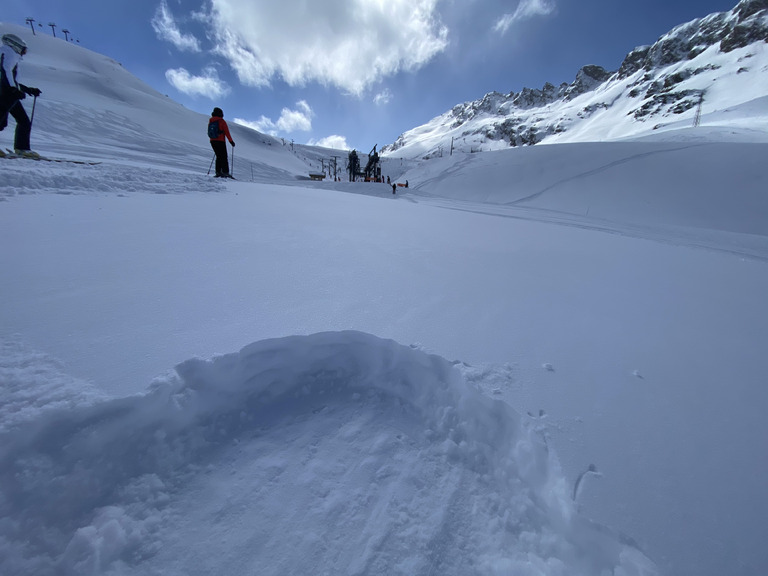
(12,93)
(218,133)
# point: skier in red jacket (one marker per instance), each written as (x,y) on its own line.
(217,132)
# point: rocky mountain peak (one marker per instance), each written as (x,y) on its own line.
(650,83)
(588,78)
(745,24)
(748,8)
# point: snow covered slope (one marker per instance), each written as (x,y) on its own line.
(711,72)
(689,190)
(90,105)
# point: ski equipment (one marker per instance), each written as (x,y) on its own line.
(32,118)
(29,155)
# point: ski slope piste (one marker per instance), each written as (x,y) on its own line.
(588,319)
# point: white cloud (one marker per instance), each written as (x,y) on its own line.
(263,125)
(383,97)
(298,120)
(293,120)
(166,29)
(207,85)
(526,9)
(346,43)
(335,141)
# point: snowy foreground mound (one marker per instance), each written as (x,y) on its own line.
(337,453)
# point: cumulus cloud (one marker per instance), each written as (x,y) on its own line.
(166,29)
(383,97)
(335,141)
(526,9)
(297,120)
(207,85)
(346,43)
(263,124)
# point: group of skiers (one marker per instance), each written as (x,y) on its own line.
(12,92)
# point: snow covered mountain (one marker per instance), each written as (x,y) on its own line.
(710,71)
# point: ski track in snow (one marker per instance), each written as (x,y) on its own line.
(729,218)
(596,171)
(23,177)
(752,247)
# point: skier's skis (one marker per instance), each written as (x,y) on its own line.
(13,156)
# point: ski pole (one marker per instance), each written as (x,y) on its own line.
(211,166)
(33,112)
(232,169)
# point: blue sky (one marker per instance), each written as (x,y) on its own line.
(354,73)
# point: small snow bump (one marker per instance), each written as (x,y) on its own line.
(548,367)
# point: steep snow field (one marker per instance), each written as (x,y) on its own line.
(536,361)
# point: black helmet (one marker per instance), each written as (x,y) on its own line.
(217,112)
(15,43)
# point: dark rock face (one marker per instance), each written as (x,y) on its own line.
(744,34)
(745,24)
(588,78)
(634,61)
(748,8)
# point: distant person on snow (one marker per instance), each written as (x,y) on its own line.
(217,132)
(12,93)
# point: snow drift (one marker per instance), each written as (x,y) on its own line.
(392,464)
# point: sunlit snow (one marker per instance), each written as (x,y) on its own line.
(547,360)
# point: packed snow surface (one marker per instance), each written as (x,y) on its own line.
(535,361)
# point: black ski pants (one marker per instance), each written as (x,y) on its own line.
(12,106)
(222,160)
